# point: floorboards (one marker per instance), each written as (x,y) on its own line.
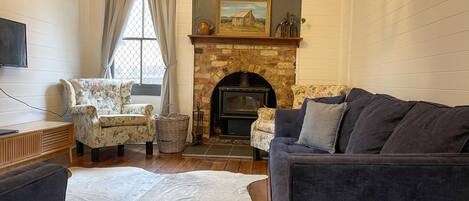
(168,163)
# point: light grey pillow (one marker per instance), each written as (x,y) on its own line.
(321,125)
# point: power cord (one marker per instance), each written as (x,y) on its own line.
(36,108)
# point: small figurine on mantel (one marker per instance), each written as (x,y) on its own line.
(288,27)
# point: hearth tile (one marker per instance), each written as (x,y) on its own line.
(241,151)
(197,149)
(220,146)
(219,150)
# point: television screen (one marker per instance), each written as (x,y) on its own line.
(12,44)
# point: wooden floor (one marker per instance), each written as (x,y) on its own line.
(167,163)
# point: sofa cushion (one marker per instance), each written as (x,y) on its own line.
(356,101)
(325,100)
(300,92)
(430,128)
(289,145)
(286,124)
(376,123)
(122,120)
(321,125)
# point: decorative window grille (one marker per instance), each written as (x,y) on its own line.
(138,57)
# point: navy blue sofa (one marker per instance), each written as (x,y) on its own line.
(298,172)
(38,182)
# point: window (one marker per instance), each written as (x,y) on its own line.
(138,57)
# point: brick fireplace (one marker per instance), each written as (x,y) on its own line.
(273,60)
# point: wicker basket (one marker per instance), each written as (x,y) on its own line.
(172,132)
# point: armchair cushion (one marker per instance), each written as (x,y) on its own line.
(116,135)
(122,120)
(144,109)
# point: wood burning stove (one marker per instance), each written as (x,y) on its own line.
(241,101)
(238,108)
(235,102)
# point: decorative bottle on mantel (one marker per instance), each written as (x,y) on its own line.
(288,27)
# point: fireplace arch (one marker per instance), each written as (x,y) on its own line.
(275,63)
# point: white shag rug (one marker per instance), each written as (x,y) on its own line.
(136,184)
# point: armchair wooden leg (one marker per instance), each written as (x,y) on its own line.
(95,154)
(120,150)
(256,154)
(79,148)
(149,149)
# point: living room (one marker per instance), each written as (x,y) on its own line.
(234,100)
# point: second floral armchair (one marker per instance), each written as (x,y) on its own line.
(263,129)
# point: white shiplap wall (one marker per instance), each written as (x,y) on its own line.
(319,58)
(412,49)
(185,56)
(53,53)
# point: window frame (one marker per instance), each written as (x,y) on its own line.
(140,88)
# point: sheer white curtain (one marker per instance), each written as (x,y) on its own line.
(115,19)
(163,13)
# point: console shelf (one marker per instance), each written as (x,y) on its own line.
(35,141)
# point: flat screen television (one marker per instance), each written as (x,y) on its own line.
(12,44)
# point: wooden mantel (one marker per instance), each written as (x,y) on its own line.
(245,39)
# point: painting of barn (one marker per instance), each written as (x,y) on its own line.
(243,18)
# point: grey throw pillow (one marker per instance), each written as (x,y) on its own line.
(321,125)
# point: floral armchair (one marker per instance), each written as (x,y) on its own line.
(103,115)
(262,130)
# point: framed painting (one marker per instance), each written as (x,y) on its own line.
(243,17)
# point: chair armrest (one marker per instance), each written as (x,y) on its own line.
(286,123)
(374,177)
(86,123)
(144,109)
(84,109)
